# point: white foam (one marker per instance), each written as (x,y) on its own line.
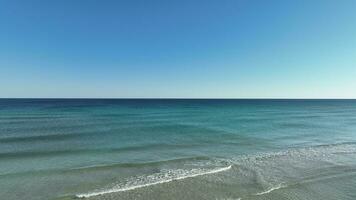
(171,176)
(271,189)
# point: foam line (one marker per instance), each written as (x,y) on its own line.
(91,194)
(271,189)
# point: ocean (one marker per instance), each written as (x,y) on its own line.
(160,149)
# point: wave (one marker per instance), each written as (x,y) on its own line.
(316,178)
(271,189)
(31,154)
(294,166)
(38,138)
(141,164)
(69,135)
(265,170)
(158,178)
(318,152)
(43,153)
(107,166)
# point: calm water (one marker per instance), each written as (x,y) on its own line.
(177,149)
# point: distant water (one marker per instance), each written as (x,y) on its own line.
(177,149)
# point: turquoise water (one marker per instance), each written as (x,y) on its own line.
(177,149)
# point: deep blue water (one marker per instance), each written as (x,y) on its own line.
(177,149)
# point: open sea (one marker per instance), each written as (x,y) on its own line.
(162,149)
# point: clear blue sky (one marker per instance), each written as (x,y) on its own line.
(181,48)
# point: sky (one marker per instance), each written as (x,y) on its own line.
(178,49)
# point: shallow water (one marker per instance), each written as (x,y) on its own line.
(177,149)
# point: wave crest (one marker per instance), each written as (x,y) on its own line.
(154,179)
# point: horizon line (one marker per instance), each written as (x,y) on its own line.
(176,98)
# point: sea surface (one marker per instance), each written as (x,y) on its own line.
(161,149)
